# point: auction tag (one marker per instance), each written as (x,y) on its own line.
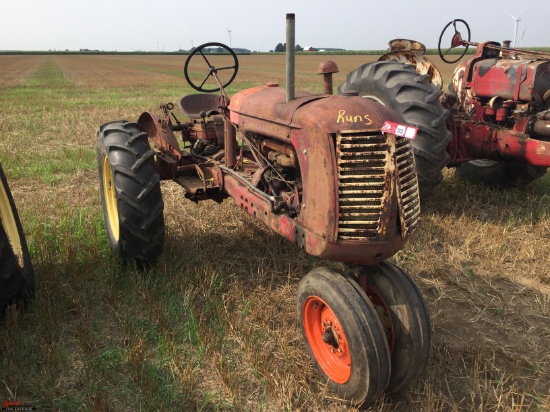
(400,130)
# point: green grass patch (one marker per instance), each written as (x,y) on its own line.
(49,75)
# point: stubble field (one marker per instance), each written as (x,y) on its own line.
(213,326)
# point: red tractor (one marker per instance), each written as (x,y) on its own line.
(333,174)
(499,130)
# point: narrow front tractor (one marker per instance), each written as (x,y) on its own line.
(333,174)
(493,125)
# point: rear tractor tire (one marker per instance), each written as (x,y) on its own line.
(413,97)
(129,187)
(16,271)
(500,174)
(344,336)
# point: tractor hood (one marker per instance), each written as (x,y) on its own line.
(264,110)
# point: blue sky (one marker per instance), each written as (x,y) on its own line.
(167,25)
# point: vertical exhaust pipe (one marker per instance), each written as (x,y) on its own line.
(290,54)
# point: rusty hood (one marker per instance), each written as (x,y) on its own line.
(318,112)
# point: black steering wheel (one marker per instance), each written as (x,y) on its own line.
(455,41)
(212,71)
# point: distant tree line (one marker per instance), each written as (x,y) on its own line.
(220,50)
(280,48)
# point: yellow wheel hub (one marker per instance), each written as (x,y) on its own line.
(109,193)
(10,226)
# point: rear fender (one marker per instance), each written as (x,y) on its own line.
(168,153)
(422,64)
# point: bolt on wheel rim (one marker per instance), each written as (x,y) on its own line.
(10,225)
(326,339)
(109,193)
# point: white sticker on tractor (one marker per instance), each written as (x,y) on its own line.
(400,130)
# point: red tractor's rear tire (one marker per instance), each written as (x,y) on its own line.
(500,174)
(344,336)
(130,192)
(412,96)
(16,271)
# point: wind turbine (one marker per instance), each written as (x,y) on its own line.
(522,34)
(516,24)
(229,32)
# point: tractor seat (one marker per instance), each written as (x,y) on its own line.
(193,104)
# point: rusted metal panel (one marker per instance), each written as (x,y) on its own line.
(160,132)
(268,103)
(197,179)
(342,113)
(264,111)
(535,152)
(259,207)
(483,141)
(523,80)
(364,252)
(167,148)
(315,152)
(192,105)
(405,44)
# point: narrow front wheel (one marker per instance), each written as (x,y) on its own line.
(404,316)
(344,336)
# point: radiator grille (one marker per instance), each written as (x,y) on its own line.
(366,164)
(407,186)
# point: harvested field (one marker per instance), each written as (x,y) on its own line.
(213,326)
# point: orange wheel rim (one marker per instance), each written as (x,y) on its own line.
(327,339)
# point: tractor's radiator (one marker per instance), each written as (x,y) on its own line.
(409,197)
(377,186)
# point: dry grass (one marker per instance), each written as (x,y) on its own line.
(213,326)
(15,69)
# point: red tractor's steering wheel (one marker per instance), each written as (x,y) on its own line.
(212,71)
(455,42)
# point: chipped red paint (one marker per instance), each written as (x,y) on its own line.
(357,252)
(476,140)
(503,94)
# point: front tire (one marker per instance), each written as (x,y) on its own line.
(130,192)
(408,329)
(16,271)
(411,95)
(344,336)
